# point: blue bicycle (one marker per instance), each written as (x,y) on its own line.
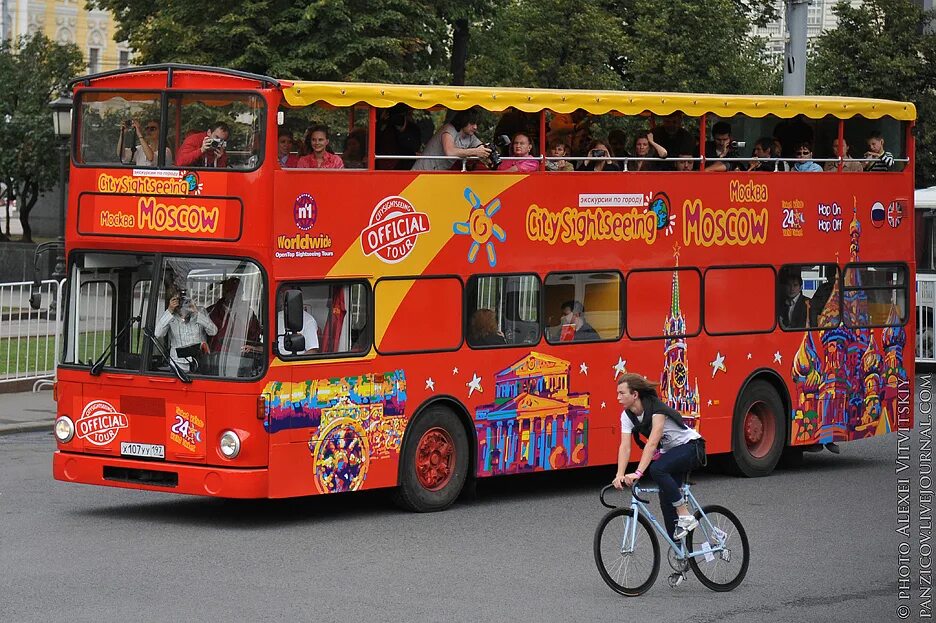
(627,551)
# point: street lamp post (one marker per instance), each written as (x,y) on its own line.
(62,124)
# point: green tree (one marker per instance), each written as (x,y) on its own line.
(29,163)
(547,44)
(882,49)
(691,46)
(371,40)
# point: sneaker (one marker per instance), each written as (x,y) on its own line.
(684,525)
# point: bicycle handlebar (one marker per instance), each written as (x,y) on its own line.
(634,489)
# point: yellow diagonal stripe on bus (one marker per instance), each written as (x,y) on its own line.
(442,197)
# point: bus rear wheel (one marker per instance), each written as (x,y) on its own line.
(758,430)
(434,461)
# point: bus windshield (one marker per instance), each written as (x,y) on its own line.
(201,130)
(204,314)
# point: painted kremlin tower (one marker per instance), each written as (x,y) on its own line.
(675,389)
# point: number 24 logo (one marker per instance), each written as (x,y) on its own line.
(181,426)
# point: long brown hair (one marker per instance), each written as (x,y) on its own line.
(483,323)
(639,383)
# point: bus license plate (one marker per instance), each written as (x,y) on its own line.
(143,450)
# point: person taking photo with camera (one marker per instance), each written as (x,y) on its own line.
(205,149)
(599,158)
(187,325)
(138,143)
(456,139)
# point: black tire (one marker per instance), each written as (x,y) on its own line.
(436,435)
(614,566)
(727,570)
(758,430)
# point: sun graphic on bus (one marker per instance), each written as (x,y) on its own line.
(195,187)
(481,227)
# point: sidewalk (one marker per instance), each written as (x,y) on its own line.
(26,411)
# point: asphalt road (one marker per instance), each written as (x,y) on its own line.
(822,537)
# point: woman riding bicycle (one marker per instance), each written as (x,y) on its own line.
(671,449)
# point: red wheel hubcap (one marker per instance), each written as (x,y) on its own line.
(435,459)
(759,429)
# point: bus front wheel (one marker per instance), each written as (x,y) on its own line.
(758,430)
(434,461)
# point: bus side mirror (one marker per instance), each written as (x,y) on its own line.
(292,311)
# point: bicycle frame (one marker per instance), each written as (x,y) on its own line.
(638,506)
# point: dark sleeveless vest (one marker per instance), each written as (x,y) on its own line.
(651,405)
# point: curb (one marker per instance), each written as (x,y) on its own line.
(26,427)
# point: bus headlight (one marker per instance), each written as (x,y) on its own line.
(64,429)
(230,444)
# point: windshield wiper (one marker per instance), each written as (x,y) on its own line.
(99,363)
(179,372)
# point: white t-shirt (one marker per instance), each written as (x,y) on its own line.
(435,148)
(309,332)
(673,435)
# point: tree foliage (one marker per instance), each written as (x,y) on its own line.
(548,44)
(29,163)
(694,46)
(372,40)
(882,49)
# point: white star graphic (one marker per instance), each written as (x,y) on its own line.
(474,384)
(749,355)
(602,404)
(710,403)
(454,370)
(619,368)
(430,384)
(583,368)
(718,364)
(777,357)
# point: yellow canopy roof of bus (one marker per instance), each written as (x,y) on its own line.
(596,102)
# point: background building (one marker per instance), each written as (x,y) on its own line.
(820,18)
(67,21)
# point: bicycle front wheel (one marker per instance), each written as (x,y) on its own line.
(627,555)
(719,569)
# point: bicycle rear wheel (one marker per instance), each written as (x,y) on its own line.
(719,570)
(628,565)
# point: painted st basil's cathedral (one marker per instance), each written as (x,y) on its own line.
(846,374)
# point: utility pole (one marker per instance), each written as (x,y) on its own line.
(794,69)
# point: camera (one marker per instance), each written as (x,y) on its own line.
(184,300)
(217,143)
(598,153)
(126,124)
(495,146)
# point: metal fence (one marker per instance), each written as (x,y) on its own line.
(30,339)
(926,318)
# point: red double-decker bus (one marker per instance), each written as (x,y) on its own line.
(254,315)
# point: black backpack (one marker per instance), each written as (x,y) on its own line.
(652,405)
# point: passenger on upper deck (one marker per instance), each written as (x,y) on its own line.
(318,157)
(599,158)
(456,140)
(882,160)
(617,141)
(721,146)
(285,144)
(397,135)
(763,149)
(685,151)
(205,149)
(642,149)
(520,147)
(558,149)
(804,163)
(670,134)
(840,149)
(355,149)
(147,142)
